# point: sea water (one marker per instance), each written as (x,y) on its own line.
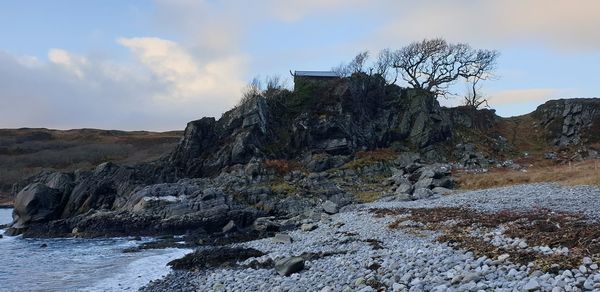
(72,264)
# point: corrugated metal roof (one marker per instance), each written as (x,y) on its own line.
(315,73)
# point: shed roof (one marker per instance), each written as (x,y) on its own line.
(316,74)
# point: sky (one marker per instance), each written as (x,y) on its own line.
(155,65)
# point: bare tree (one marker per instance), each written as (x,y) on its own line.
(384,64)
(474,98)
(434,65)
(358,63)
(252,90)
(342,70)
(274,82)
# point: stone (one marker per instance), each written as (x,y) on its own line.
(442,191)
(531,285)
(422,193)
(425,183)
(229,227)
(503,257)
(330,207)
(266,224)
(288,266)
(36,203)
(470,277)
(405,188)
(308,227)
(282,238)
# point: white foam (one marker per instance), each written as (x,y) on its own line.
(139,272)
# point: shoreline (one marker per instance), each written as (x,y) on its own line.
(381,245)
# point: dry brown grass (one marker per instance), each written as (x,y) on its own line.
(26,152)
(539,227)
(577,173)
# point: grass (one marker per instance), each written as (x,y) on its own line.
(284,188)
(26,152)
(368,158)
(576,173)
(367,196)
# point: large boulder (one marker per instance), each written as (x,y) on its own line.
(36,203)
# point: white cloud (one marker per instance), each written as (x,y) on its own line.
(68,61)
(188,79)
(527,95)
(563,24)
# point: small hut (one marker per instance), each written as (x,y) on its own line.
(302,78)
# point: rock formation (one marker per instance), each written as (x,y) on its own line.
(282,154)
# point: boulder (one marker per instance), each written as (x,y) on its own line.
(442,191)
(230,227)
(282,238)
(330,207)
(425,183)
(266,224)
(308,227)
(36,203)
(288,266)
(405,188)
(445,182)
(422,193)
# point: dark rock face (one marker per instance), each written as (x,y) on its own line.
(357,113)
(571,122)
(218,174)
(209,145)
(36,203)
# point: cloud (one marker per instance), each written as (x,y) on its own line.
(528,95)
(187,79)
(293,11)
(164,90)
(70,62)
(563,24)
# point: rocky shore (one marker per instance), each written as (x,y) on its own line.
(386,246)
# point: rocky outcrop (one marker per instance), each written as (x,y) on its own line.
(286,153)
(358,113)
(571,122)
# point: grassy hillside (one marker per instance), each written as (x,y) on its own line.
(25,152)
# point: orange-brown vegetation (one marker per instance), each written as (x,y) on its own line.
(574,173)
(537,227)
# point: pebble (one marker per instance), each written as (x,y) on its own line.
(531,285)
(406,258)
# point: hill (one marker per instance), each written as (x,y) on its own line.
(27,152)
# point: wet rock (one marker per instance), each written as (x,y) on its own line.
(288,266)
(36,203)
(214,257)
